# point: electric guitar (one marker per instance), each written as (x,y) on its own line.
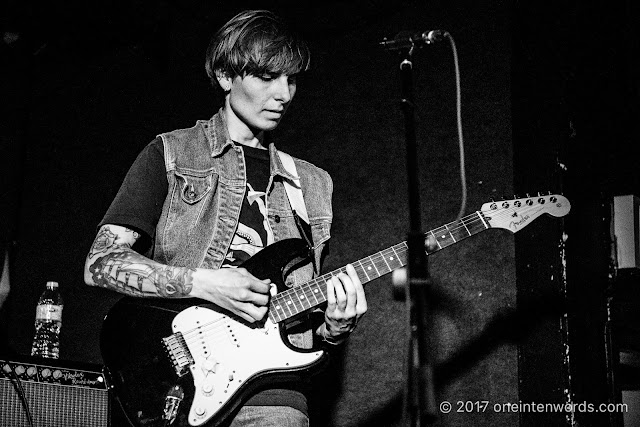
(149,346)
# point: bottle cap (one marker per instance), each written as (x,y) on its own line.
(52,284)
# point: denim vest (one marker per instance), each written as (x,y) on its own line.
(206,172)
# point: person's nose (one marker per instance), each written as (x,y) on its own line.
(283,90)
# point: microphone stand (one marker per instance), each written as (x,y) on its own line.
(421,399)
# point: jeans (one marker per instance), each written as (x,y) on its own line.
(270,416)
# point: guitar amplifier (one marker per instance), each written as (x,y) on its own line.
(57,394)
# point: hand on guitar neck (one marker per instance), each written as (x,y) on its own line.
(346,304)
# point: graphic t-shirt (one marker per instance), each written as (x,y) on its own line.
(253,232)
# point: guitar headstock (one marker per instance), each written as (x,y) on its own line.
(515,214)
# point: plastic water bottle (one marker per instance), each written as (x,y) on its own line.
(46,341)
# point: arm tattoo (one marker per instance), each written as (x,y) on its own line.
(122,269)
(104,241)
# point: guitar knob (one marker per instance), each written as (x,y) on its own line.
(207,389)
(200,411)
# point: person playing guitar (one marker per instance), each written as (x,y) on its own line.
(198,203)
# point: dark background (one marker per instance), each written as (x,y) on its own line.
(545,86)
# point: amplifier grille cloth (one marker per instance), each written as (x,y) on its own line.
(53,405)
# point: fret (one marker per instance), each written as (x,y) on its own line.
(293,297)
(302,298)
(402,259)
(279,309)
(313,289)
(286,304)
(475,224)
(482,219)
(369,270)
(392,259)
(464,223)
(373,263)
(436,239)
(291,303)
(450,233)
(360,268)
(322,288)
(386,263)
(458,233)
(381,265)
(443,237)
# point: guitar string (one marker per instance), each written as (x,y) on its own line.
(207,331)
(311,287)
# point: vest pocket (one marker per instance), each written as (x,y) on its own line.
(320,230)
(193,188)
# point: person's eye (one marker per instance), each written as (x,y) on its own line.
(292,80)
(266,77)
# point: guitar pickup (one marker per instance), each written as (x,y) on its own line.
(178,353)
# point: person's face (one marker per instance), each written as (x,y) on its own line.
(259,102)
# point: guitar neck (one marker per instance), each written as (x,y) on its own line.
(294,301)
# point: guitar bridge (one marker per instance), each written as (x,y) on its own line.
(178,352)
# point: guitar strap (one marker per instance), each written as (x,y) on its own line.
(296,199)
(293,187)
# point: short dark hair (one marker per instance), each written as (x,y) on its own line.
(256,42)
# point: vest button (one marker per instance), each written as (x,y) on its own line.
(277,218)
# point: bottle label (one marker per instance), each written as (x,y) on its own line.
(49,312)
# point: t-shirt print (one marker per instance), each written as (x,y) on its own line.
(253,232)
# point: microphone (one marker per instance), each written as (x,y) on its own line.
(406,40)
(172,403)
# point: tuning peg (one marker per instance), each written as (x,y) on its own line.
(527,195)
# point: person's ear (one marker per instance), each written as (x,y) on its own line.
(224,80)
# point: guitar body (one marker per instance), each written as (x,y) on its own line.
(150,345)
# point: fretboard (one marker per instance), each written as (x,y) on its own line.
(299,299)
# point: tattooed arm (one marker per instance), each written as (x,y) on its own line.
(112,264)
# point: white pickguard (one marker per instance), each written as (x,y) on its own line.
(227,354)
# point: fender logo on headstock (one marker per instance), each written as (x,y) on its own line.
(522,222)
